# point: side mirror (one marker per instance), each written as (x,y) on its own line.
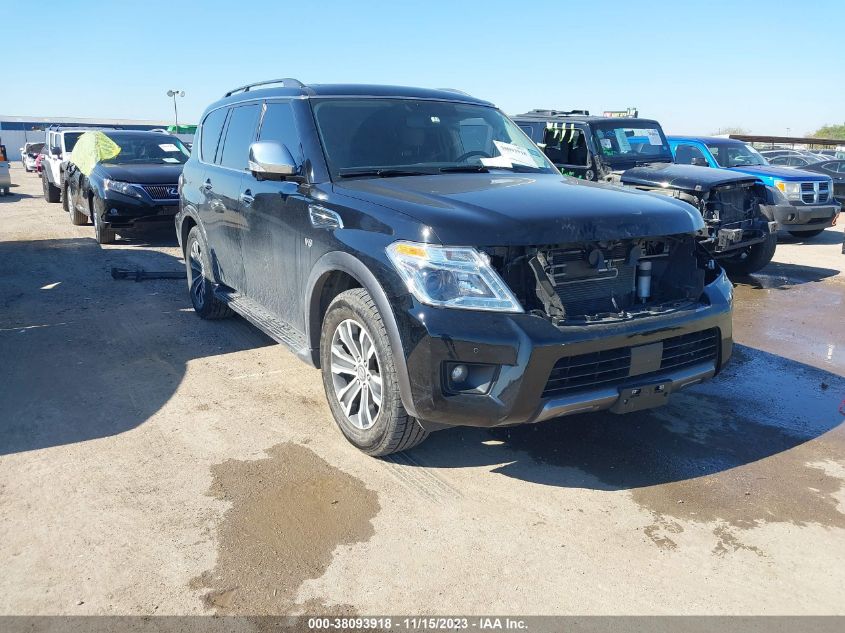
(700,162)
(271,160)
(56,151)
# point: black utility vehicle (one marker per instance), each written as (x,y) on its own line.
(420,249)
(137,188)
(738,209)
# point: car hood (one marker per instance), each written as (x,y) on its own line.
(783,173)
(141,173)
(685,177)
(523,209)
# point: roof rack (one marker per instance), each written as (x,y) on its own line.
(560,112)
(286,81)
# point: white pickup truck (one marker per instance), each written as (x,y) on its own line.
(60,142)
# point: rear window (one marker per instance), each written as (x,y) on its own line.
(240,133)
(210,134)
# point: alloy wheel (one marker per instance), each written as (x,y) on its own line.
(356,374)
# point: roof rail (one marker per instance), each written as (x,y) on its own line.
(455,90)
(286,81)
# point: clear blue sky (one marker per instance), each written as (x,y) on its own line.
(694,65)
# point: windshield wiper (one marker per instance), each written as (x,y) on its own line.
(380,172)
(457,169)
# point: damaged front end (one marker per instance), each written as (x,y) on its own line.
(735,216)
(609,281)
(738,212)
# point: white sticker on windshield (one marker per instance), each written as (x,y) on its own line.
(654,137)
(515,153)
(496,161)
(170,159)
(168,147)
(605,143)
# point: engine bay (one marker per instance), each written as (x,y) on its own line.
(600,282)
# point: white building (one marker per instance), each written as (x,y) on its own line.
(17,130)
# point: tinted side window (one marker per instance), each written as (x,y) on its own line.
(211,128)
(240,134)
(686,154)
(279,125)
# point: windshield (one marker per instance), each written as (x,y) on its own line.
(735,155)
(158,149)
(70,140)
(628,143)
(382,137)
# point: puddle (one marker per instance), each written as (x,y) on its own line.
(289,512)
(797,318)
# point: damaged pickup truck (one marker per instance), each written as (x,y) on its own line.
(738,209)
(423,252)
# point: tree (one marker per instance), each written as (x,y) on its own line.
(730,130)
(830,131)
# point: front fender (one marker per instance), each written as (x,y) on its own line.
(344,262)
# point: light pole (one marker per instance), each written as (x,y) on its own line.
(174,94)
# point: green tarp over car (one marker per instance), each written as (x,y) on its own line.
(90,149)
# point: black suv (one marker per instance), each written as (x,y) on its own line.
(420,249)
(738,209)
(134,186)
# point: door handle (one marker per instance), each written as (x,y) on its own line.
(247,198)
(207,186)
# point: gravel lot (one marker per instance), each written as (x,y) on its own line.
(154,463)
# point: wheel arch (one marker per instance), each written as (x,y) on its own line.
(186,220)
(331,275)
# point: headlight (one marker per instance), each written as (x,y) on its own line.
(118,186)
(451,277)
(791,190)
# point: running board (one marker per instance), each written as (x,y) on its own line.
(273,327)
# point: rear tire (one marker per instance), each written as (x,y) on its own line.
(806,234)
(51,192)
(357,358)
(200,285)
(757,257)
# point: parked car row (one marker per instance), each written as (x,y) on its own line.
(424,250)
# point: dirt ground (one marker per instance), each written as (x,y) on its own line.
(155,463)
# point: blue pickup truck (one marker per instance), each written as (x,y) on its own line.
(811,194)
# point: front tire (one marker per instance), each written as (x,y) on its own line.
(51,192)
(359,377)
(755,258)
(803,235)
(77,218)
(102,232)
(200,285)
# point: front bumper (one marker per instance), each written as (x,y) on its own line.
(120,211)
(524,350)
(726,239)
(798,216)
